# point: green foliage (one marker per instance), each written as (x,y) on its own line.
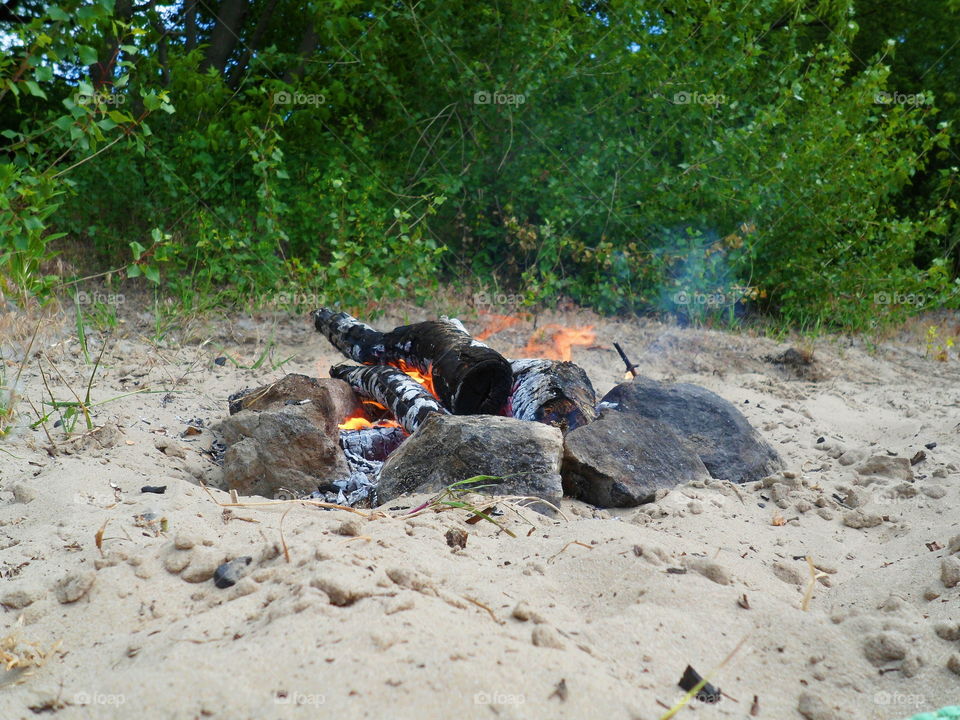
(696,160)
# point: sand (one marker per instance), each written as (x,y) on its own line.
(375,615)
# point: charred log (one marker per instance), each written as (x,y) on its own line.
(551,392)
(468,377)
(407,399)
(357,340)
(373,443)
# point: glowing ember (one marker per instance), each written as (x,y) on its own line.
(556,342)
(361,423)
(425,380)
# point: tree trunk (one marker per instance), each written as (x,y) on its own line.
(308,45)
(263,22)
(225,35)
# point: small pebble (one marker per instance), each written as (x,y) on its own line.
(813,707)
(184,540)
(227,574)
(934,491)
(953,664)
(825,513)
(790,573)
(883,647)
(546,636)
(351,527)
(947,630)
(22,493)
(950,571)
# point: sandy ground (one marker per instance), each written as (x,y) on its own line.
(375,616)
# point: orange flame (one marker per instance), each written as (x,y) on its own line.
(496,324)
(361,423)
(556,342)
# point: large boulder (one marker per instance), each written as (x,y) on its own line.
(278,449)
(450,448)
(723,438)
(622,459)
(326,401)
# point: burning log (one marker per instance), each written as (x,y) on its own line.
(468,377)
(407,399)
(372,443)
(551,392)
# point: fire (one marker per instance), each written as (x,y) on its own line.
(556,341)
(496,324)
(361,423)
(425,380)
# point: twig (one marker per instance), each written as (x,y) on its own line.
(572,542)
(631,368)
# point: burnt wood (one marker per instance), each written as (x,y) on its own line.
(407,399)
(372,443)
(552,392)
(355,339)
(468,377)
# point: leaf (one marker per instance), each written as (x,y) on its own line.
(88,56)
(35,89)
(152,274)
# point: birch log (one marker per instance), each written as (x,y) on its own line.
(552,392)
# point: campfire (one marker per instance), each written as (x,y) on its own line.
(436,367)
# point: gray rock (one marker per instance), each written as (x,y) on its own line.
(622,459)
(326,401)
(281,448)
(719,433)
(450,448)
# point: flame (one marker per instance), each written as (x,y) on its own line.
(425,380)
(496,324)
(556,341)
(361,423)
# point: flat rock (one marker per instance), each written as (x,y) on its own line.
(283,448)
(727,444)
(326,401)
(450,448)
(622,459)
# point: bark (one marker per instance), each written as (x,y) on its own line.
(373,443)
(407,399)
(308,46)
(226,32)
(190,24)
(554,393)
(357,340)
